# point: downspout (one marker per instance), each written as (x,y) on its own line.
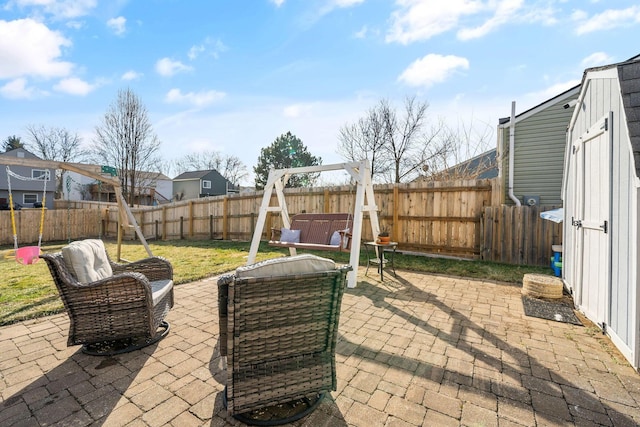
(512,143)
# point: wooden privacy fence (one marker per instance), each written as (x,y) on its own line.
(517,235)
(439,218)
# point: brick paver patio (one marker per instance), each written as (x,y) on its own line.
(417,350)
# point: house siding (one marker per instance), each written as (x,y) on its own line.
(185,190)
(19,187)
(538,154)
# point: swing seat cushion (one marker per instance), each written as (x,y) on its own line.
(323,231)
(87,260)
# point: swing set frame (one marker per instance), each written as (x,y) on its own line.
(360,172)
(125,216)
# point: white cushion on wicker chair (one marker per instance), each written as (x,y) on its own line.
(87,260)
(285,266)
(160,288)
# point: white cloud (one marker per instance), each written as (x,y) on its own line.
(197,99)
(167,67)
(432,69)
(417,20)
(297,110)
(330,5)
(551,91)
(362,33)
(214,47)
(346,3)
(278,3)
(131,75)
(17,89)
(596,59)
(504,13)
(118,25)
(579,15)
(28,47)
(195,51)
(74,86)
(61,9)
(611,18)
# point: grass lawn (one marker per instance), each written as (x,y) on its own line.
(28,291)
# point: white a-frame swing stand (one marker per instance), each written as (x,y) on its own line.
(365,202)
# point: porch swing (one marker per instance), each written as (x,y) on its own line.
(27,255)
(360,172)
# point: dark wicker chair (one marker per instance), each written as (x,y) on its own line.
(116,314)
(279,336)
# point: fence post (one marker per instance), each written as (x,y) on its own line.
(396,203)
(327,206)
(164,223)
(225,218)
(181,227)
(157,235)
(190,218)
(210,227)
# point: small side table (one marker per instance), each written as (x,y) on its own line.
(380,260)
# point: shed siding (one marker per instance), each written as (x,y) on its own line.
(601,96)
(539,154)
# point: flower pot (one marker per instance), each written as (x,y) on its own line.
(384,240)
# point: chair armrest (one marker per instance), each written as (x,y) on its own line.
(120,288)
(153,268)
(345,236)
(275,234)
(223,310)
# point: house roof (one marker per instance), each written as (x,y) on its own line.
(192,175)
(154,175)
(545,104)
(629,76)
(15,151)
(482,166)
(628,73)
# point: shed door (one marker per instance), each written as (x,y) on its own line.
(593,209)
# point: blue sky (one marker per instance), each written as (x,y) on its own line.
(232,76)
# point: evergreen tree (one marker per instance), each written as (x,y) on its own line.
(287,151)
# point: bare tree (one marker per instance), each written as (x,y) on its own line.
(365,139)
(399,147)
(58,144)
(469,155)
(230,167)
(125,140)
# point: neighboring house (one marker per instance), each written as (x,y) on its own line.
(195,184)
(482,166)
(601,197)
(540,134)
(154,188)
(26,193)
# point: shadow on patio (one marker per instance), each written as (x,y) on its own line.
(416,350)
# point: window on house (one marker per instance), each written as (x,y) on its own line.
(38,173)
(29,198)
(206,184)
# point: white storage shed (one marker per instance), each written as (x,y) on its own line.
(601,187)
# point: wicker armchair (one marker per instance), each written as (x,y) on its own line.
(279,333)
(120,311)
